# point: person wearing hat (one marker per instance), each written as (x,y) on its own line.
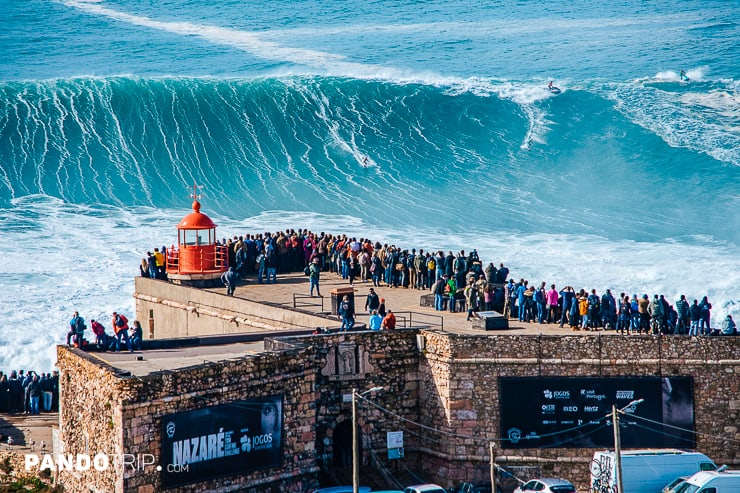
(381,307)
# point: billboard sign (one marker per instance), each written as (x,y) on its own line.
(233,438)
(572,412)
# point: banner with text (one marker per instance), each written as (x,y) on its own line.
(232,438)
(543,412)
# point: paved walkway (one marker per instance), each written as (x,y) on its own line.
(291,291)
(397,299)
(27,431)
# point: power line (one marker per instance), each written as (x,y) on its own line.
(579,437)
(477,439)
(677,437)
(685,430)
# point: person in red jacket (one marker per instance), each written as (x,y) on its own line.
(389,322)
(100,338)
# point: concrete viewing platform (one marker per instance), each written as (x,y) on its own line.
(404,303)
(291,293)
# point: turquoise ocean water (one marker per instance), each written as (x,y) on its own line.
(109,110)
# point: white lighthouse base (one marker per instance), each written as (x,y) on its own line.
(198,280)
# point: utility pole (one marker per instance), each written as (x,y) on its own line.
(355,464)
(618,442)
(355,441)
(493,469)
(617,449)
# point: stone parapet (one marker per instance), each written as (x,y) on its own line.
(166,311)
(440,388)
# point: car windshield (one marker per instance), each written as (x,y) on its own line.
(673,486)
(689,488)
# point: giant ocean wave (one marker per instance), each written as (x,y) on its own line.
(625,180)
(497,154)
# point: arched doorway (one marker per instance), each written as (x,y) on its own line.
(343,444)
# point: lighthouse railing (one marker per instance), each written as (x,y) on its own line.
(222,257)
(172,261)
(205,259)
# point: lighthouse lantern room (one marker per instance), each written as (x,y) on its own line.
(198,260)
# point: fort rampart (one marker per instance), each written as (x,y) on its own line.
(447,382)
(170,311)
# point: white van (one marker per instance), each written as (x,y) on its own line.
(645,471)
(712,482)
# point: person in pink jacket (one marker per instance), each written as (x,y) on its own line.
(552,304)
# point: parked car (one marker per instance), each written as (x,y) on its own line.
(646,471)
(425,488)
(476,487)
(546,485)
(713,481)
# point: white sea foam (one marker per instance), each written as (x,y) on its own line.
(61,258)
(704,120)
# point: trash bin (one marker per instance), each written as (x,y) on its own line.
(490,321)
(337,294)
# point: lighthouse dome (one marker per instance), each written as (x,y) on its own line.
(196,219)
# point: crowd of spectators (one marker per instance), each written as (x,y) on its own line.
(29,392)
(626,314)
(460,282)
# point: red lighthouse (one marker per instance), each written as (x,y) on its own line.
(198,259)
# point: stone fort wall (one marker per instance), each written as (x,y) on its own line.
(114,412)
(446,382)
(459,383)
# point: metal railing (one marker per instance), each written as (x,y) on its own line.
(298,301)
(222,256)
(416,319)
(216,255)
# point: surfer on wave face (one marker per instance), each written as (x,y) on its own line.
(549,85)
